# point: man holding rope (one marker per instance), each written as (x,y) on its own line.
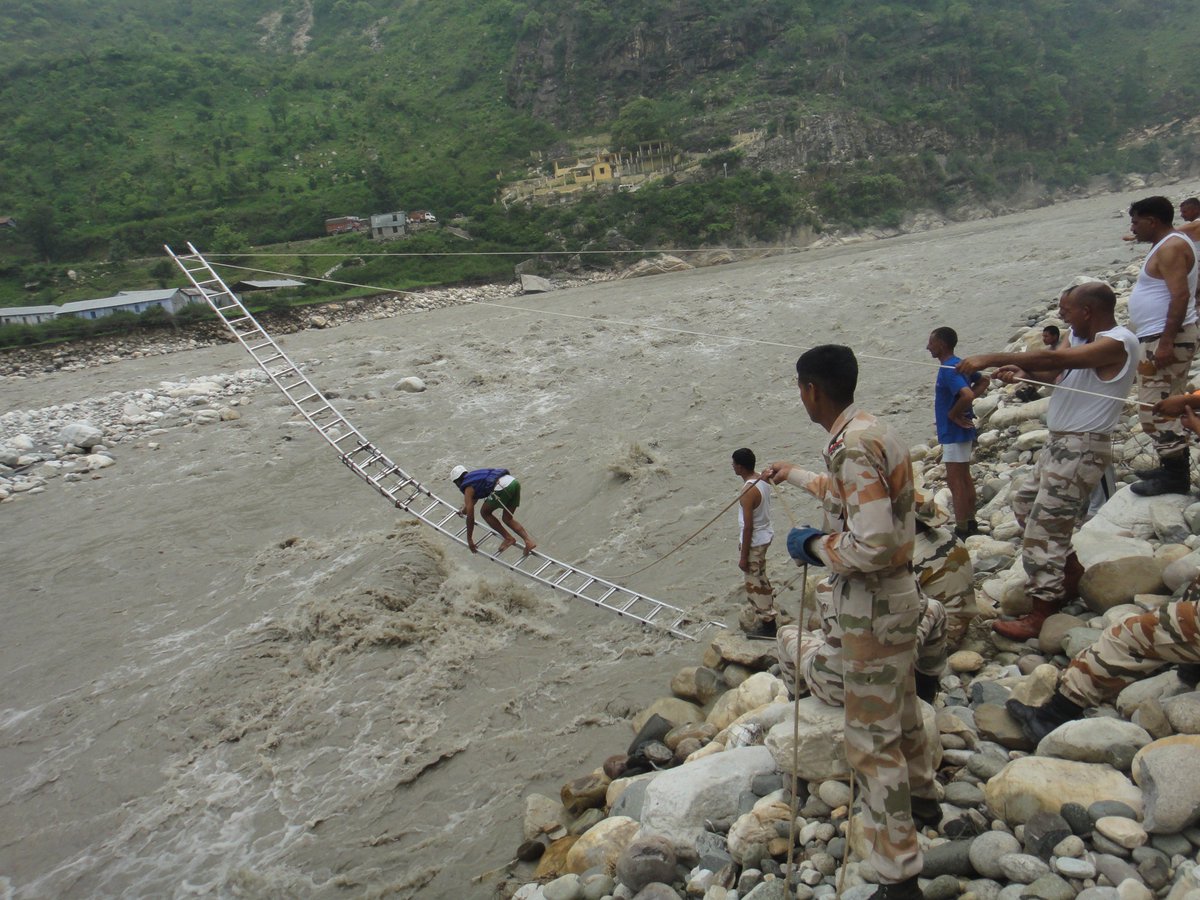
(755,534)
(1135,647)
(867,543)
(1100,363)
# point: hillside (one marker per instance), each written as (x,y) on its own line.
(231,122)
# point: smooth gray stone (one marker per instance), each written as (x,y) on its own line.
(988,692)
(1104,845)
(983,888)
(713,852)
(1049,887)
(762,785)
(1155,871)
(1171,844)
(1043,831)
(1022,867)
(631,800)
(1075,868)
(952,858)
(961,793)
(1114,868)
(987,849)
(1077,817)
(985,766)
(769,890)
(944,887)
(1102,808)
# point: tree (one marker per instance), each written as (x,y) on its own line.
(640,120)
(40,226)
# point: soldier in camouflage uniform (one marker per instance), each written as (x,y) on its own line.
(1162,312)
(874,605)
(1131,649)
(947,581)
(1100,364)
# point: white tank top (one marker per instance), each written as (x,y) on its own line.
(1150,297)
(761,521)
(1073,411)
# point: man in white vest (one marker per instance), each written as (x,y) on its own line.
(1162,313)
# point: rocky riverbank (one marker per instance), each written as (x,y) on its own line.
(1103,808)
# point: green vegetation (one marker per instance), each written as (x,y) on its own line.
(245,123)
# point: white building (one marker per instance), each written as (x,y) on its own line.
(27,315)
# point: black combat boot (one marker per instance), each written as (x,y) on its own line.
(926,812)
(928,687)
(1038,721)
(908,889)
(1176,478)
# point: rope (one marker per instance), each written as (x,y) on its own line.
(693,534)
(651,327)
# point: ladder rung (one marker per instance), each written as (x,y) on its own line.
(266,343)
(606,595)
(542,567)
(306,398)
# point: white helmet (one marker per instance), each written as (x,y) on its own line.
(457,472)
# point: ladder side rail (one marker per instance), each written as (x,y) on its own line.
(289,366)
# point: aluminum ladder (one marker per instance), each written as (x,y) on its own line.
(403,490)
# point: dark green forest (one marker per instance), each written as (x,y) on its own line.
(238,123)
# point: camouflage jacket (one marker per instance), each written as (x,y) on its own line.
(867,495)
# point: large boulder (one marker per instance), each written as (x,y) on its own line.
(81,434)
(1042,784)
(535,284)
(680,801)
(1099,740)
(1118,581)
(1165,770)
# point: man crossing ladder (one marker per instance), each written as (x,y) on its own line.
(498,490)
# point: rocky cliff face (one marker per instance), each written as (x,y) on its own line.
(562,73)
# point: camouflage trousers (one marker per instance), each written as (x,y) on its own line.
(945,573)
(863,659)
(1134,648)
(1154,384)
(1051,501)
(759,593)
(821,660)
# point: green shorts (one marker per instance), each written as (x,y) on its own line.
(508,498)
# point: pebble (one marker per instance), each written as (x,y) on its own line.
(1125,832)
(1074,868)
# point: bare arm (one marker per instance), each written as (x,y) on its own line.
(1174,260)
(1044,365)
(962,405)
(750,499)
